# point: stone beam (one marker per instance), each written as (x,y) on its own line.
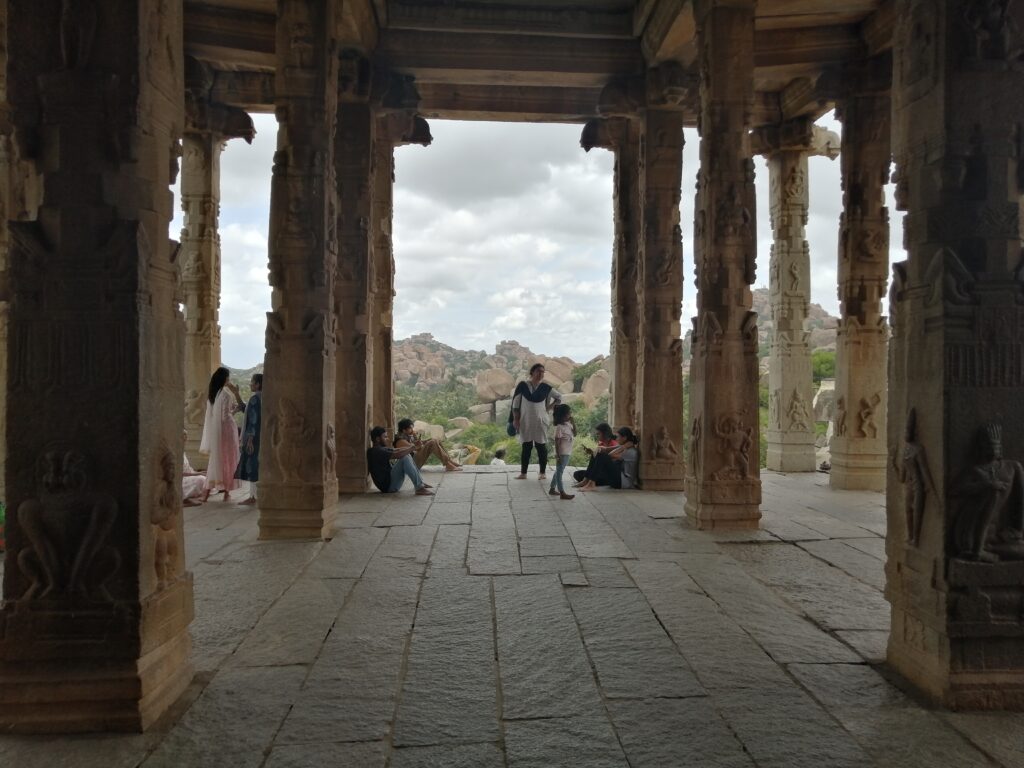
(252,91)
(235,37)
(809,45)
(662,26)
(485,59)
(509,102)
(532,20)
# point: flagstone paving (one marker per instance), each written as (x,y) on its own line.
(495,625)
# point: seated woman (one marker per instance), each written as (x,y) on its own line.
(406,436)
(605,442)
(617,467)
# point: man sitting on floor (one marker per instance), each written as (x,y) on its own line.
(389,477)
(423,449)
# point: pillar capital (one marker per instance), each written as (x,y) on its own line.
(796,135)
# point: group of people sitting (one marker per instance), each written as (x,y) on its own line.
(390,465)
(613,462)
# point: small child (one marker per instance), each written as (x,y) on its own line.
(565,430)
(499,458)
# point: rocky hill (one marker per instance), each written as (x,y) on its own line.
(423,362)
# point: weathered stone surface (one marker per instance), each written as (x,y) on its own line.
(448,513)
(234,721)
(450,547)
(366,755)
(606,572)
(996,733)
(665,732)
(494,384)
(550,564)
(582,741)
(450,756)
(628,647)
(545,672)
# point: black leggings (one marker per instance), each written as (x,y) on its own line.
(542,456)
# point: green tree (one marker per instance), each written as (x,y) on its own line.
(823,365)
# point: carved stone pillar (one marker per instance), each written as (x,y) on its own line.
(660,361)
(382,282)
(955,548)
(623,136)
(353,162)
(200,276)
(96,599)
(298,480)
(790,431)
(858,444)
(723,474)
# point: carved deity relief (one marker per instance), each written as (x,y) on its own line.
(992,32)
(796,183)
(662,447)
(989,525)
(67,526)
(290,436)
(794,277)
(799,415)
(164,518)
(920,51)
(911,466)
(330,452)
(949,278)
(866,426)
(695,433)
(840,418)
(774,412)
(735,440)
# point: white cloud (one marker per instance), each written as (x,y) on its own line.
(501,230)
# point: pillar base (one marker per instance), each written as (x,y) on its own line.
(791,457)
(352,485)
(724,517)
(862,472)
(67,682)
(662,476)
(297,510)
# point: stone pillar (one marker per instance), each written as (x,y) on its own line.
(353,163)
(623,136)
(954,545)
(200,277)
(382,281)
(858,444)
(660,361)
(96,599)
(723,473)
(298,482)
(790,431)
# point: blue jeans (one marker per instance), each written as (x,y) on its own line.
(556,480)
(402,468)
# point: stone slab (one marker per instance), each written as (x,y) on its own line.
(582,742)
(448,756)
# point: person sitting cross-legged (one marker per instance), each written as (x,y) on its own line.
(422,450)
(387,476)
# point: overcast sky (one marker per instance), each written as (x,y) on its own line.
(501,231)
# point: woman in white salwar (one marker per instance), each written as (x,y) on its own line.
(531,405)
(220,434)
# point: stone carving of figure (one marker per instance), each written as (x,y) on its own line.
(330,452)
(799,416)
(992,29)
(163,517)
(774,415)
(735,442)
(794,277)
(912,470)
(291,433)
(840,419)
(695,447)
(77,30)
(866,426)
(195,407)
(664,448)
(67,527)
(990,523)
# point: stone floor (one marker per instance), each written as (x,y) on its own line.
(493,625)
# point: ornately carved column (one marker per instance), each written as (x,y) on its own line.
(623,136)
(660,362)
(96,599)
(353,163)
(200,276)
(858,444)
(790,433)
(382,281)
(723,488)
(298,481)
(955,491)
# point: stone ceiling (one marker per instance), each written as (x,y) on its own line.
(546,59)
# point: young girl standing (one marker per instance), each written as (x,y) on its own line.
(565,430)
